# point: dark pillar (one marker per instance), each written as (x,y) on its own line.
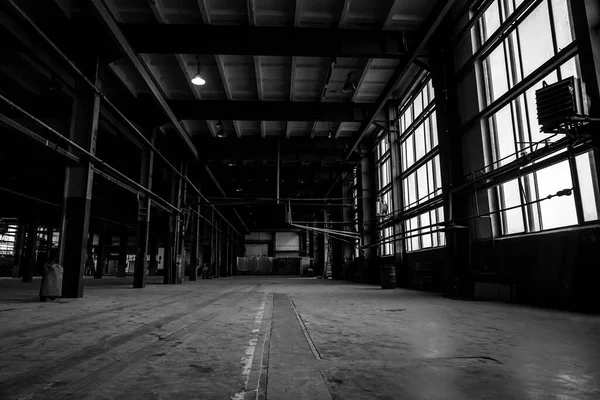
(457,270)
(219,249)
(347,218)
(19,249)
(143,224)
(101,254)
(169,255)
(397,197)
(153,250)
(78,187)
(370,265)
(182,228)
(194,238)
(28,261)
(122,261)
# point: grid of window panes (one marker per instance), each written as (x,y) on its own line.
(384,195)
(420,166)
(543,30)
(420,232)
(7,241)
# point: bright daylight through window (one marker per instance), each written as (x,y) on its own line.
(540,43)
(421,174)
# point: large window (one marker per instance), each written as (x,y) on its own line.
(420,170)
(536,46)
(7,239)
(384,196)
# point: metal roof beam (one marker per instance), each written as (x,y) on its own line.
(242,110)
(261,40)
(143,70)
(441,8)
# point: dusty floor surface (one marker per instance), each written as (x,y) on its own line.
(287,338)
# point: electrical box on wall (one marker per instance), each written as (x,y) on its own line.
(560,104)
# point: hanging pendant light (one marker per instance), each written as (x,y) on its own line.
(221,133)
(349,86)
(197,79)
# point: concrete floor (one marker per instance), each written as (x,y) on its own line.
(287,338)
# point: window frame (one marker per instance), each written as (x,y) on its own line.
(508,35)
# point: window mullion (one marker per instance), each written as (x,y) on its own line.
(576,190)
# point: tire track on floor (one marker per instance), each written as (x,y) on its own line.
(80,388)
(51,327)
(50,369)
(74,318)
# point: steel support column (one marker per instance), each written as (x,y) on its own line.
(143,224)
(78,187)
(19,249)
(347,218)
(194,238)
(122,261)
(370,270)
(100,254)
(28,259)
(456,274)
(170,242)
(397,197)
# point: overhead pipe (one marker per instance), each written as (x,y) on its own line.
(106,100)
(42,201)
(27,132)
(93,158)
(212,177)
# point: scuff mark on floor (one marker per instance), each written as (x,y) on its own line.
(250,349)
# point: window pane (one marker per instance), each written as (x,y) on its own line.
(420,141)
(430,178)
(534,219)
(512,219)
(410,156)
(415,240)
(431,91)
(427,133)
(558,211)
(426,238)
(442,235)
(409,116)
(495,74)
(434,130)
(562,23)
(491,21)
(588,185)
(434,236)
(570,68)
(422,183)
(535,39)
(438,173)
(505,142)
(405,193)
(412,190)
(418,104)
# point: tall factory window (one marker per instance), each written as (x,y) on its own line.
(8,235)
(522,44)
(420,170)
(384,196)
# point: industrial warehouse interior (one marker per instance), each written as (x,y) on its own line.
(299,199)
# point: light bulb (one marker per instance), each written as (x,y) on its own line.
(198,80)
